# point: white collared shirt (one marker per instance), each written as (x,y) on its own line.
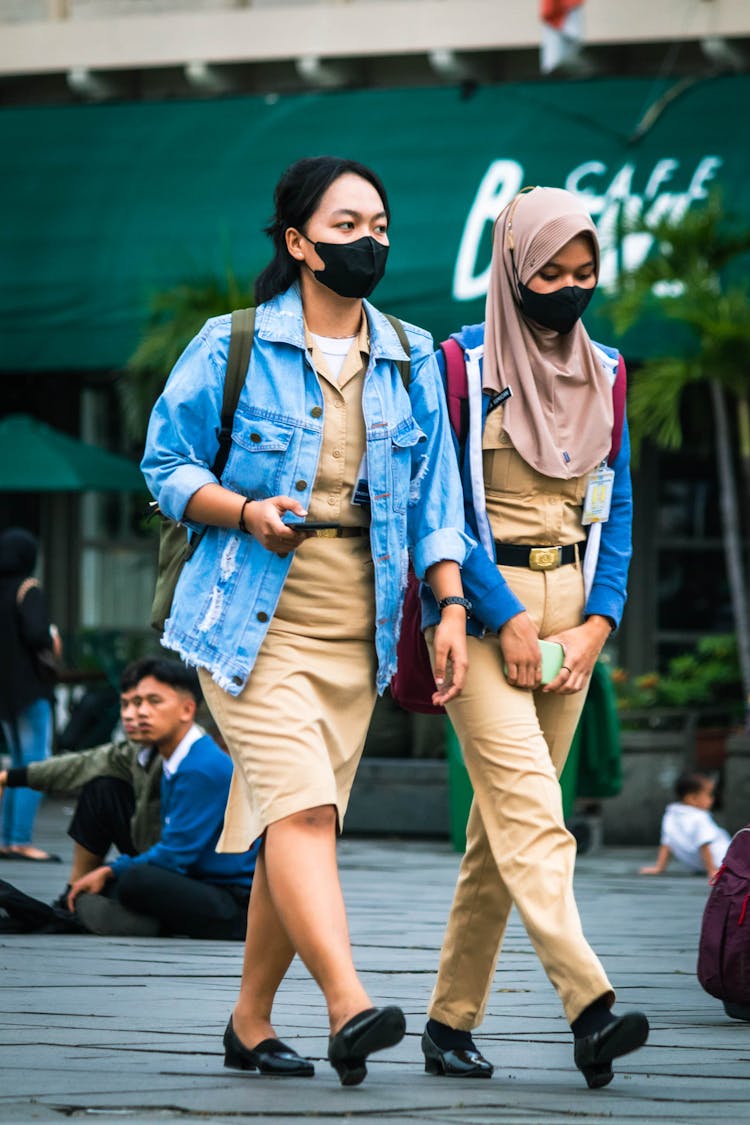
(171,764)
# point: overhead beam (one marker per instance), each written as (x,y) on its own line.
(334,30)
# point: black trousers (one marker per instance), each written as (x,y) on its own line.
(182,905)
(102,816)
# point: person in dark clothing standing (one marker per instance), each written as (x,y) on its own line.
(25,692)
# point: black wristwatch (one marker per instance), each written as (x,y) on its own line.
(456,601)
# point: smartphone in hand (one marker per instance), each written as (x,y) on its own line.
(553,655)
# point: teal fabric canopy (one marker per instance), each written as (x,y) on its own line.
(104,205)
(35,457)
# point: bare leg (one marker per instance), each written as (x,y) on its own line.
(83,862)
(300,908)
(268,955)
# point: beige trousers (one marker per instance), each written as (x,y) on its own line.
(518,850)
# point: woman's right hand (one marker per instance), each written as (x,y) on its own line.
(263,521)
(519,643)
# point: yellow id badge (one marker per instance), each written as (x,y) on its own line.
(598,498)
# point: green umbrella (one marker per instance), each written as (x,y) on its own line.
(35,457)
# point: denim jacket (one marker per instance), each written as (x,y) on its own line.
(229,589)
(492,599)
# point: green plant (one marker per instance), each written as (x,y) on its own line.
(709,677)
(175,316)
(696,276)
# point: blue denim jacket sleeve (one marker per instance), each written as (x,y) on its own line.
(435,512)
(183,433)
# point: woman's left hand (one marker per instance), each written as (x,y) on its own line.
(581,647)
(451,656)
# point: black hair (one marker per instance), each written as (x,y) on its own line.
(133,672)
(170,672)
(692,781)
(296,199)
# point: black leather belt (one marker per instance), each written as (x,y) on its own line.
(538,558)
(341,532)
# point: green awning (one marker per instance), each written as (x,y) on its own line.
(104,204)
(35,457)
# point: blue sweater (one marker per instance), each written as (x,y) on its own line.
(492,599)
(193,800)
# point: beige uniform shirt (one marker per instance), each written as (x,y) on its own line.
(524,506)
(343,448)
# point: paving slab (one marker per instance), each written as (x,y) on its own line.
(115,1029)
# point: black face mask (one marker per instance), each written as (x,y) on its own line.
(352,269)
(559,310)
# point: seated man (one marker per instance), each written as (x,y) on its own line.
(179,885)
(120,784)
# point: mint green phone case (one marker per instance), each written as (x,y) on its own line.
(552,660)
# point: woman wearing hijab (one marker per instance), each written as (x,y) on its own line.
(536,481)
(25,708)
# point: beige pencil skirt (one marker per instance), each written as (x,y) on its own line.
(297,730)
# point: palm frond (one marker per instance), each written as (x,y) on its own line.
(175,316)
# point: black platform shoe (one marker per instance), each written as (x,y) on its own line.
(271,1056)
(593,1054)
(371,1030)
(455,1062)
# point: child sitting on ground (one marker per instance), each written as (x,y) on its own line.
(688,831)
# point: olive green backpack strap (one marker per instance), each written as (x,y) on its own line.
(403,365)
(175,545)
(238,362)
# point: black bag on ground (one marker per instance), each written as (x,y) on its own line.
(176,543)
(22,914)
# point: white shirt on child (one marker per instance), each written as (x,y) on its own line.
(685,829)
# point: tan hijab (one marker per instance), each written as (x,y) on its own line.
(560,415)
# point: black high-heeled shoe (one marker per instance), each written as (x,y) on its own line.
(369,1031)
(270,1056)
(593,1054)
(455,1062)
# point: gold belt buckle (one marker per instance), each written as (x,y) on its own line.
(326,533)
(545,558)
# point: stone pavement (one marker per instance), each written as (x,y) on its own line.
(109,1029)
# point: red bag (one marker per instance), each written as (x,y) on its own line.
(724,949)
(413,685)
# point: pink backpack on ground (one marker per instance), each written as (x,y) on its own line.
(724,949)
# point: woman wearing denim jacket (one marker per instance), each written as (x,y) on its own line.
(541,430)
(295,631)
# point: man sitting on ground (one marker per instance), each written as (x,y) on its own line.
(180,885)
(120,804)
(120,783)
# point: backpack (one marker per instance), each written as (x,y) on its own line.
(413,684)
(176,543)
(724,948)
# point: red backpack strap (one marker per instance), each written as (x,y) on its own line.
(456,387)
(619,390)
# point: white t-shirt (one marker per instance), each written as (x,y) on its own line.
(334,351)
(685,829)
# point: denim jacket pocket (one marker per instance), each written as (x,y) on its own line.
(404,462)
(261,451)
